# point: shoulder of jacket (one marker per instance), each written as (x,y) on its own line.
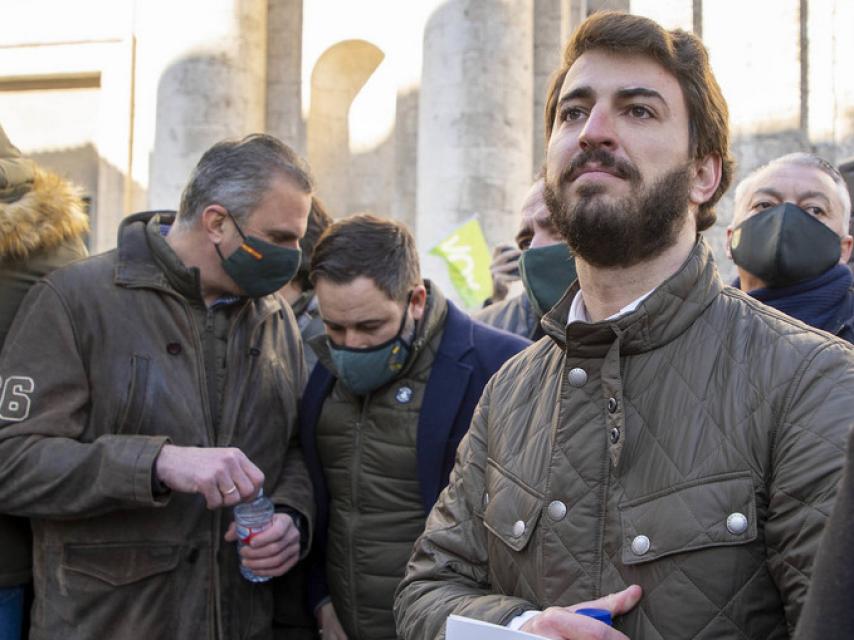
(45,217)
(760,320)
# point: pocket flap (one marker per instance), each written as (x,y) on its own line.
(709,512)
(511,508)
(120,564)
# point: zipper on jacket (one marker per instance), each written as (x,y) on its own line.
(354,506)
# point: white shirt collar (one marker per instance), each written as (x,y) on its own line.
(578,310)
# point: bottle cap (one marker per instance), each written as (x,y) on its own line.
(602,615)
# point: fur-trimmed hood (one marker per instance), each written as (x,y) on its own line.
(47,215)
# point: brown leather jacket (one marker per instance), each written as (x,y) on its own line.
(103,365)
(692,447)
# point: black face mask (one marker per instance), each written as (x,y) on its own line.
(784,245)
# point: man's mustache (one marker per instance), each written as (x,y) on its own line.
(602,158)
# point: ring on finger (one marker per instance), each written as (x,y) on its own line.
(230,491)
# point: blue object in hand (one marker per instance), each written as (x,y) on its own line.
(602,615)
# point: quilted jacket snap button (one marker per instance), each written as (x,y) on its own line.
(612,405)
(557,510)
(736,523)
(640,545)
(577,377)
(615,435)
(485,500)
(518,529)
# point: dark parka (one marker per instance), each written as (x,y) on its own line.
(380,461)
(515,315)
(42,221)
(108,367)
(620,452)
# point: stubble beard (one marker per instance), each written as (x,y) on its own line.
(621,232)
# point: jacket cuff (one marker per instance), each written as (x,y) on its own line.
(129,468)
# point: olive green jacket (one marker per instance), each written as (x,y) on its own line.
(106,366)
(41,224)
(692,447)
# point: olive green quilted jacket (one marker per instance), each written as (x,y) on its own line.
(692,447)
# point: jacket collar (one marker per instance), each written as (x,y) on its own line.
(137,267)
(663,316)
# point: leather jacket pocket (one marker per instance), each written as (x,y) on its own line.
(132,415)
(120,564)
(120,590)
(708,512)
(511,507)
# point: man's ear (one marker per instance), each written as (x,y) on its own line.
(213,222)
(846,244)
(707,177)
(729,242)
(418,302)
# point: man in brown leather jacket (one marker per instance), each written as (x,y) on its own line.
(669,431)
(148,388)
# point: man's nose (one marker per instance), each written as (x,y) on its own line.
(353,340)
(598,131)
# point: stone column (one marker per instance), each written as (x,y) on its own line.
(213,87)
(284,72)
(551,22)
(475,121)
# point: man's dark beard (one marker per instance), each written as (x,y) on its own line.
(629,231)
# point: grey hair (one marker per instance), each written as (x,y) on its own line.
(236,174)
(803,159)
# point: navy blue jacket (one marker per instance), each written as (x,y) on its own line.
(469,353)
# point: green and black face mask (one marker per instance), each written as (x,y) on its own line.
(260,268)
(365,370)
(546,273)
(784,245)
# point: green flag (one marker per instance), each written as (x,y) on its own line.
(468,259)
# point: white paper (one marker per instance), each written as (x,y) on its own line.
(462,628)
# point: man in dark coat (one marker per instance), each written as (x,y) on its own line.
(789,238)
(400,372)
(42,224)
(145,389)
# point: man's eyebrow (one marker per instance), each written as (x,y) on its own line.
(641,92)
(768,191)
(814,194)
(579,93)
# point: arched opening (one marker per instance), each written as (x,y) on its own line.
(338,76)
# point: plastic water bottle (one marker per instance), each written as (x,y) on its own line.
(251,519)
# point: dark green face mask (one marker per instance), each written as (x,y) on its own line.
(364,370)
(260,268)
(546,273)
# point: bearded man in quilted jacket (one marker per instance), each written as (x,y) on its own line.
(669,431)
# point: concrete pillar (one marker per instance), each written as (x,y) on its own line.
(406,158)
(213,87)
(284,72)
(475,121)
(550,33)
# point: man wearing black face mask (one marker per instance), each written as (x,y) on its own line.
(149,387)
(789,238)
(546,268)
(399,373)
